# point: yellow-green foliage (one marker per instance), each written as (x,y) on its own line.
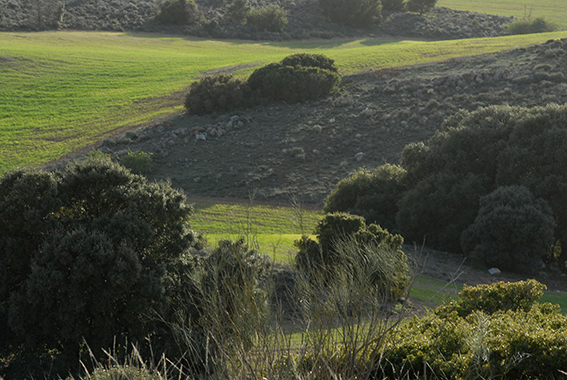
(501,333)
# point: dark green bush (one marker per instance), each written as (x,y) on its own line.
(420,6)
(138,162)
(394,5)
(84,258)
(372,195)
(438,208)
(513,230)
(356,13)
(219,93)
(272,18)
(238,10)
(515,338)
(293,84)
(310,60)
(179,12)
(344,243)
(528,26)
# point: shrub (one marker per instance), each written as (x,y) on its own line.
(372,195)
(238,10)
(513,230)
(356,13)
(138,162)
(527,25)
(84,258)
(438,208)
(345,242)
(420,6)
(179,12)
(272,18)
(517,338)
(217,94)
(293,84)
(394,5)
(310,60)
(499,296)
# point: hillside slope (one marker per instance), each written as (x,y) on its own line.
(305,149)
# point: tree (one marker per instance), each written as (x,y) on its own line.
(420,6)
(513,230)
(84,256)
(179,12)
(356,13)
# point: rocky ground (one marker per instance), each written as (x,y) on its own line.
(305,20)
(277,150)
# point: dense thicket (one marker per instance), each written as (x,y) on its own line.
(179,12)
(474,154)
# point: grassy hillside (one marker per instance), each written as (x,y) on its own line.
(553,10)
(61,91)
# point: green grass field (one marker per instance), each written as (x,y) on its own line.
(553,10)
(61,91)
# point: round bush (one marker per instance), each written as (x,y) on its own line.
(356,13)
(179,12)
(513,230)
(372,195)
(219,93)
(420,6)
(293,84)
(394,5)
(310,60)
(84,257)
(272,18)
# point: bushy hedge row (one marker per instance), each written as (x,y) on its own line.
(503,334)
(296,78)
(468,169)
(357,13)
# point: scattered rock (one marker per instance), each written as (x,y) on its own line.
(494,271)
(359,156)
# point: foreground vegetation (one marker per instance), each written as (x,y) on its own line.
(107,81)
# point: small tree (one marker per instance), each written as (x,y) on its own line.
(356,13)
(272,18)
(394,5)
(85,254)
(238,10)
(513,230)
(420,6)
(179,12)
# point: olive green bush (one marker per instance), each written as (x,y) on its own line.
(179,12)
(513,230)
(420,6)
(343,240)
(138,162)
(238,10)
(294,84)
(356,13)
(310,60)
(515,338)
(84,259)
(272,18)
(528,25)
(394,5)
(373,195)
(219,93)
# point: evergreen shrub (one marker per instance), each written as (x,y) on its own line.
(219,93)
(355,13)
(513,230)
(420,6)
(179,12)
(271,18)
(394,5)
